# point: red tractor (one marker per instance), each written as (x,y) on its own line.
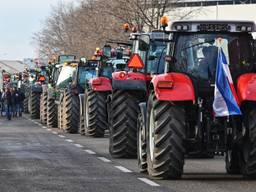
(184,111)
(97,92)
(130,88)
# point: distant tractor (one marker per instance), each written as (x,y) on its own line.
(33,90)
(48,108)
(182,114)
(70,84)
(98,89)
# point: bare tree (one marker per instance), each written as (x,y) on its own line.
(78,30)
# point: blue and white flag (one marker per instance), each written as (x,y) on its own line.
(225,97)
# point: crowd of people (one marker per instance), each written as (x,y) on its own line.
(11,102)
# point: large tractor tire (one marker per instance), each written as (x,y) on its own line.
(35,105)
(25,105)
(60,113)
(248,149)
(96,117)
(52,113)
(71,113)
(165,139)
(141,144)
(123,129)
(81,115)
(43,107)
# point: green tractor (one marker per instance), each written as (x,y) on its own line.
(71,82)
(48,108)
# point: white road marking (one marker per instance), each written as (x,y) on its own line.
(149,182)
(90,151)
(104,159)
(44,127)
(54,132)
(61,136)
(123,169)
(79,146)
(69,140)
(48,129)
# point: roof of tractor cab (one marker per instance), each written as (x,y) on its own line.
(154,35)
(213,26)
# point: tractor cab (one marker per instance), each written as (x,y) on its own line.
(152,49)
(120,54)
(55,66)
(195,47)
(66,74)
(83,73)
(110,59)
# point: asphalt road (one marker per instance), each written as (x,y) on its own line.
(35,158)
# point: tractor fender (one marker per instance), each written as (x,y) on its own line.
(100,84)
(81,103)
(123,80)
(180,87)
(246,87)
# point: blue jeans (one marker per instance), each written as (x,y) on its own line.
(8,112)
(20,108)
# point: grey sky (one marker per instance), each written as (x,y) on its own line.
(19,19)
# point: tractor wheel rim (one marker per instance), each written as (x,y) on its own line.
(151,135)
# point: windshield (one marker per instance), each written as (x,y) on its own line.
(65,76)
(85,74)
(196,54)
(155,61)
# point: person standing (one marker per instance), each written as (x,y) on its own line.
(8,103)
